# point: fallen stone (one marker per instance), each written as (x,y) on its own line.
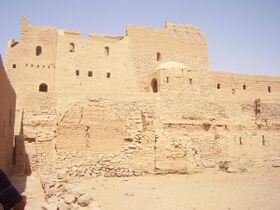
(63,206)
(84,200)
(276,164)
(69,198)
(129,194)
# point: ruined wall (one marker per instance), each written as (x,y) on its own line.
(7,117)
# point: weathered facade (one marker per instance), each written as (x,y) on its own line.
(144,102)
(7,117)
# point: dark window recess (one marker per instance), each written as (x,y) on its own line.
(190,79)
(218,86)
(89,73)
(244,87)
(107,51)
(38,50)
(43,87)
(158,56)
(71,47)
(167,79)
(108,74)
(14,66)
(77,72)
(269,89)
(154,85)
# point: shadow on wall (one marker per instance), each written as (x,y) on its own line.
(7,121)
(9,144)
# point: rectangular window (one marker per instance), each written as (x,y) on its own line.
(89,73)
(167,79)
(14,66)
(77,72)
(108,74)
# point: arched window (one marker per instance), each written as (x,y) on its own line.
(158,56)
(72,47)
(38,50)
(218,86)
(43,87)
(244,87)
(107,51)
(154,85)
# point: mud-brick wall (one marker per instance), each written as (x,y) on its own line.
(7,118)
(150,47)
(28,67)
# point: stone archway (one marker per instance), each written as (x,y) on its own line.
(91,127)
(154,85)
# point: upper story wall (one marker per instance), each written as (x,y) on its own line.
(176,42)
(31,61)
(99,64)
(7,118)
(235,86)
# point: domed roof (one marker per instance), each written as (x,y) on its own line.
(171,65)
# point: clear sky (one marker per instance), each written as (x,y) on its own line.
(243,35)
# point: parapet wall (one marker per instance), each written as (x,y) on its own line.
(245,87)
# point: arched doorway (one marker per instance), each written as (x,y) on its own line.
(154,85)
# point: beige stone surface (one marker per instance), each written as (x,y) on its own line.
(7,119)
(143,103)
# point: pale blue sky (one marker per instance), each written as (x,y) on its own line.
(243,35)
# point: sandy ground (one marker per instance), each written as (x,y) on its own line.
(212,189)
(208,190)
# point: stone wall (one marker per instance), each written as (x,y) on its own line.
(100,102)
(7,118)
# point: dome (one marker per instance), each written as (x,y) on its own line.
(171,65)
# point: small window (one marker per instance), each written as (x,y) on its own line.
(43,66)
(43,87)
(218,86)
(77,72)
(108,74)
(244,87)
(158,56)
(71,47)
(38,50)
(89,73)
(38,66)
(26,64)
(233,91)
(190,80)
(167,79)
(269,89)
(31,65)
(174,32)
(186,34)
(49,67)
(107,51)
(14,66)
